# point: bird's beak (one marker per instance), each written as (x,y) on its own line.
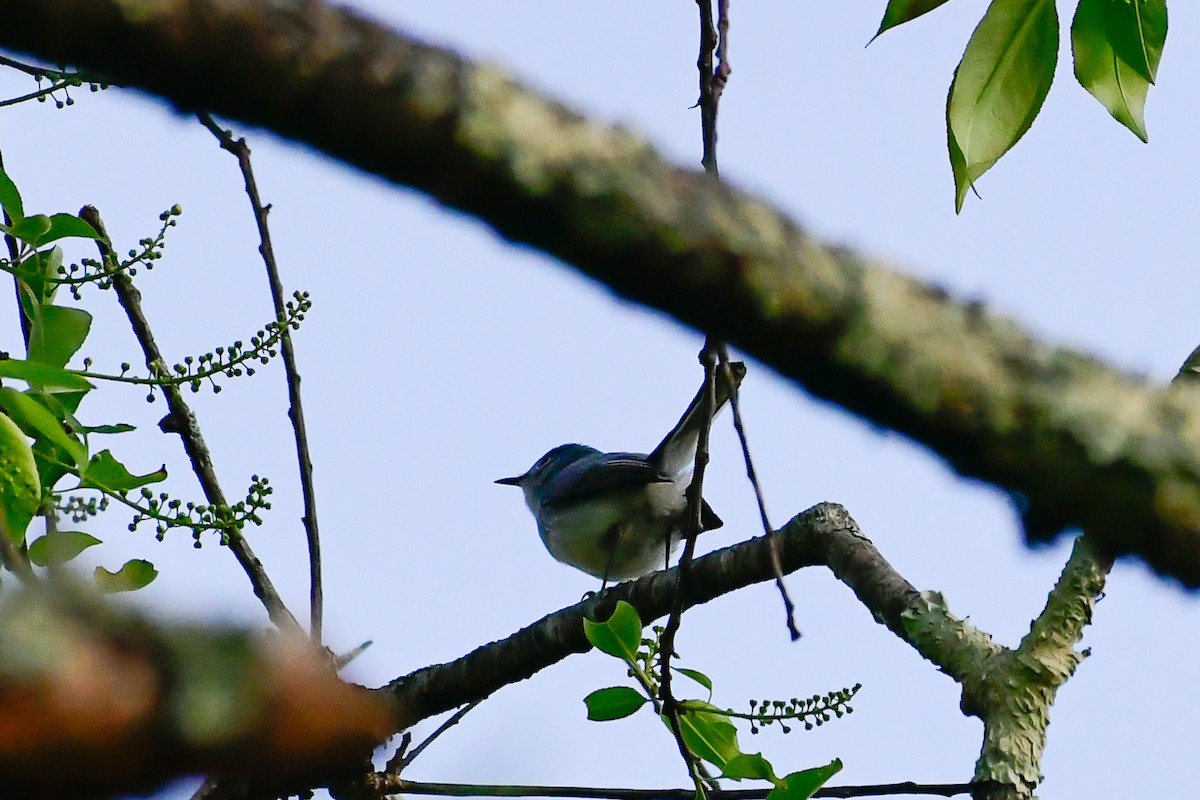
(515,481)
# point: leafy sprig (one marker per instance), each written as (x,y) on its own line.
(61,81)
(230,361)
(168,512)
(706,731)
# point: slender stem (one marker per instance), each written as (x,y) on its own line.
(182,421)
(241,151)
(670,707)
(403,759)
(789,608)
(392,784)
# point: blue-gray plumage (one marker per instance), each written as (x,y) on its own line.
(619,515)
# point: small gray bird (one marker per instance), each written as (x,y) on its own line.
(619,515)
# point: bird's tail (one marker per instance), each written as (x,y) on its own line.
(677,452)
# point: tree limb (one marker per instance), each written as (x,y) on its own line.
(96,702)
(1077,443)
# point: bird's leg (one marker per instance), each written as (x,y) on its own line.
(612,537)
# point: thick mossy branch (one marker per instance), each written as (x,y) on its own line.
(1014,697)
(129,703)
(1076,442)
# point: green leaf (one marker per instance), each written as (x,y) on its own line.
(1117,48)
(105,472)
(51,462)
(804,784)
(57,334)
(899,12)
(63,403)
(710,736)
(120,427)
(35,420)
(20,487)
(134,575)
(698,677)
(65,226)
(35,273)
(10,198)
(999,86)
(615,702)
(30,229)
(59,547)
(620,636)
(749,766)
(42,375)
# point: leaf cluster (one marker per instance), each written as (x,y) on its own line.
(44,442)
(707,731)
(1008,66)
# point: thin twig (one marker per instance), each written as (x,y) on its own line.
(789,608)
(28,69)
(241,151)
(709,99)
(182,421)
(391,784)
(12,101)
(710,96)
(403,758)
(695,490)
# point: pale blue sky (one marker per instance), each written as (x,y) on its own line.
(437,358)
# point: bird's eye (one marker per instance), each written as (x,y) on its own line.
(542,463)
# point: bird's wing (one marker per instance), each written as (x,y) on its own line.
(606,472)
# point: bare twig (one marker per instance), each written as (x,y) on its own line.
(789,608)
(403,758)
(389,784)
(180,420)
(710,94)
(695,490)
(241,151)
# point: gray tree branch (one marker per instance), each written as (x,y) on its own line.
(1076,442)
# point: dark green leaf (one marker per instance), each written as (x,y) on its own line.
(36,421)
(620,636)
(899,12)
(10,198)
(134,575)
(1117,47)
(710,736)
(57,334)
(35,272)
(802,785)
(42,375)
(999,86)
(59,547)
(105,472)
(30,229)
(749,766)
(698,677)
(51,462)
(120,427)
(615,702)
